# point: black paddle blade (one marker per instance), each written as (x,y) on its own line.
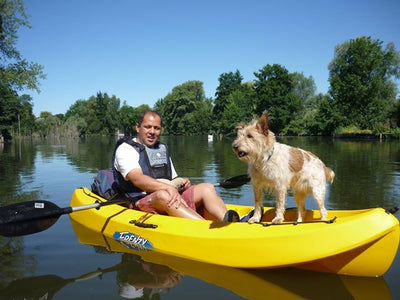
(26,227)
(29,210)
(235,181)
(28,217)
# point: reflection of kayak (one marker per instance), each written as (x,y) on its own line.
(357,242)
(285,283)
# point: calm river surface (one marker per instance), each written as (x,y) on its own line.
(53,264)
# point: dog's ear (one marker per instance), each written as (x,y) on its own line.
(262,124)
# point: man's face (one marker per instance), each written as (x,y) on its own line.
(150,129)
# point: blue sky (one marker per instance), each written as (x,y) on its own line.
(139,50)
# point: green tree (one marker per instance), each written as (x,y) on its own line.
(273,89)
(304,89)
(127,119)
(48,125)
(228,83)
(26,122)
(361,77)
(303,94)
(395,114)
(100,113)
(79,108)
(15,71)
(74,126)
(324,118)
(239,108)
(179,108)
(9,104)
(75,119)
(230,118)
(199,121)
(16,115)
(233,95)
(107,111)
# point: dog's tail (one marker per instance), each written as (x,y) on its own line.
(329,174)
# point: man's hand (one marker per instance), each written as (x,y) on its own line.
(175,198)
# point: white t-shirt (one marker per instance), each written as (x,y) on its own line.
(127,159)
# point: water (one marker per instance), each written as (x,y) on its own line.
(53,265)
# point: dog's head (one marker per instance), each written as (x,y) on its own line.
(253,140)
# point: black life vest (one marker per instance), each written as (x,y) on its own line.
(155,162)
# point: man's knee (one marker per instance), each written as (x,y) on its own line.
(205,187)
(160,198)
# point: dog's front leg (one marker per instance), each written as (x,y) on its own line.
(280,206)
(258,210)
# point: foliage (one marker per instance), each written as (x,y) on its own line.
(17,72)
(324,119)
(302,93)
(228,83)
(74,126)
(15,113)
(186,110)
(361,78)
(47,124)
(97,115)
(127,119)
(8,106)
(234,102)
(351,129)
(238,109)
(26,124)
(273,91)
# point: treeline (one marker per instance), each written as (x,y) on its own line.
(361,99)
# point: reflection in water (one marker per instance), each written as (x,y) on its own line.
(135,277)
(138,278)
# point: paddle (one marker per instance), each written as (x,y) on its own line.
(34,216)
(234,182)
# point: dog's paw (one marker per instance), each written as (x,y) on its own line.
(254,219)
(277,220)
(324,215)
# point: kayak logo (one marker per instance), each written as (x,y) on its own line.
(132,241)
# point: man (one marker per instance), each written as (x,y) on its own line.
(138,164)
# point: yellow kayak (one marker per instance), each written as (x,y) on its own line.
(352,242)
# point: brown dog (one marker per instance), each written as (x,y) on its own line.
(278,167)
